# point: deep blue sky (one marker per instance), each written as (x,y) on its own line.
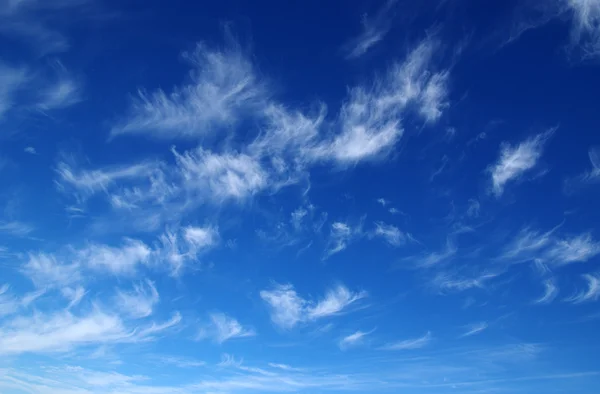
(308,196)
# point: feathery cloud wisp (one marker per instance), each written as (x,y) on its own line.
(410,344)
(514,161)
(352,340)
(593,290)
(390,233)
(223,328)
(475,329)
(550,292)
(288,308)
(222,87)
(374,30)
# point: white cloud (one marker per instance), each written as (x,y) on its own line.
(288,308)
(592,175)
(221,176)
(352,340)
(122,260)
(335,301)
(340,236)
(62,331)
(8,304)
(548,248)
(374,29)
(474,208)
(15,228)
(85,183)
(409,344)
(550,292)
(573,249)
(370,118)
(585,25)
(140,302)
(59,332)
(382,201)
(74,295)
(11,80)
(62,92)
(222,86)
(35,23)
(179,248)
(31,150)
(593,290)
(391,234)
(451,282)
(474,329)
(514,161)
(45,270)
(434,258)
(223,328)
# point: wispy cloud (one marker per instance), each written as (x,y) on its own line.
(590,176)
(410,344)
(31,150)
(139,302)
(288,308)
(353,340)
(593,290)
(221,176)
(475,329)
(62,331)
(582,15)
(390,233)
(549,248)
(223,328)
(374,29)
(514,161)
(119,260)
(550,292)
(11,80)
(14,228)
(222,87)
(340,236)
(62,91)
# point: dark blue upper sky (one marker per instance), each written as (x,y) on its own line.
(299,196)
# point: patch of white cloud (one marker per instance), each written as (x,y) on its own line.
(551,249)
(139,302)
(223,328)
(62,331)
(389,233)
(221,176)
(288,309)
(120,260)
(11,80)
(475,329)
(340,236)
(63,91)
(410,344)
(374,29)
(592,293)
(550,292)
(515,161)
(46,270)
(222,86)
(74,295)
(179,248)
(353,340)
(15,228)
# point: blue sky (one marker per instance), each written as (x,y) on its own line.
(304,197)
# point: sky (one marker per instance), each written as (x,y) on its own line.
(299,196)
